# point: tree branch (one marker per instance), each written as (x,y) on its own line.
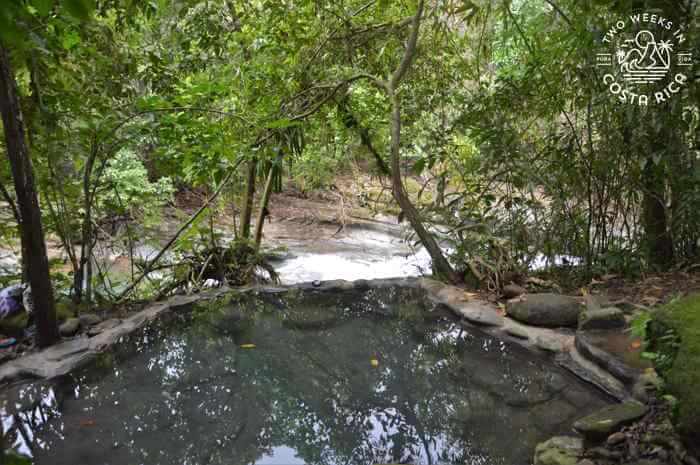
(410,49)
(149,266)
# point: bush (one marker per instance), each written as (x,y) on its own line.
(129,189)
(675,333)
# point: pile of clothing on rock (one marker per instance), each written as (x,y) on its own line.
(13,300)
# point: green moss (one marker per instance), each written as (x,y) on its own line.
(14,325)
(683,376)
(64,310)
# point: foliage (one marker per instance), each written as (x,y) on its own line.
(204,260)
(128,191)
(674,336)
(510,146)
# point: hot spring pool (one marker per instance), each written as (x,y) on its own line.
(301,377)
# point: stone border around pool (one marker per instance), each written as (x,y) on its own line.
(75,353)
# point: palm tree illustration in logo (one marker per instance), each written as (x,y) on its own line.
(643,59)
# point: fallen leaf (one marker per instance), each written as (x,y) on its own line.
(247,346)
(374,362)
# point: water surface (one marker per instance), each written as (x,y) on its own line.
(380,376)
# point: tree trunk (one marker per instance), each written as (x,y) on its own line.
(352,123)
(28,204)
(247,211)
(263,207)
(658,237)
(441,266)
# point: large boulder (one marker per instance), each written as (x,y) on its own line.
(89,319)
(601,424)
(602,318)
(69,327)
(560,450)
(511,291)
(545,309)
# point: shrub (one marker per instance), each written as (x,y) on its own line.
(129,189)
(675,334)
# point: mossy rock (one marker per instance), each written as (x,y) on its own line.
(14,325)
(607,420)
(64,310)
(682,345)
(560,450)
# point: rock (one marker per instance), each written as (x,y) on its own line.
(69,327)
(603,453)
(512,290)
(604,422)
(477,313)
(64,310)
(361,284)
(560,450)
(616,438)
(626,306)
(103,326)
(608,350)
(592,302)
(645,386)
(545,309)
(549,344)
(604,318)
(89,319)
(517,331)
(431,286)
(647,462)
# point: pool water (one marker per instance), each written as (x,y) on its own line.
(373,377)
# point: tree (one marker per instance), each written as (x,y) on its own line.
(441,266)
(28,204)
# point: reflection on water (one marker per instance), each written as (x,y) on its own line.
(304,391)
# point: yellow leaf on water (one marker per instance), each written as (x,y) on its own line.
(374,362)
(247,346)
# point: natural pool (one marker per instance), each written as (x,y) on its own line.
(301,377)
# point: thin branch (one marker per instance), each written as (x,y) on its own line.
(8,198)
(149,266)
(560,12)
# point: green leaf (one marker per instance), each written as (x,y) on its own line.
(80,9)
(12,457)
(43,7)
(419,166)
(283,123)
